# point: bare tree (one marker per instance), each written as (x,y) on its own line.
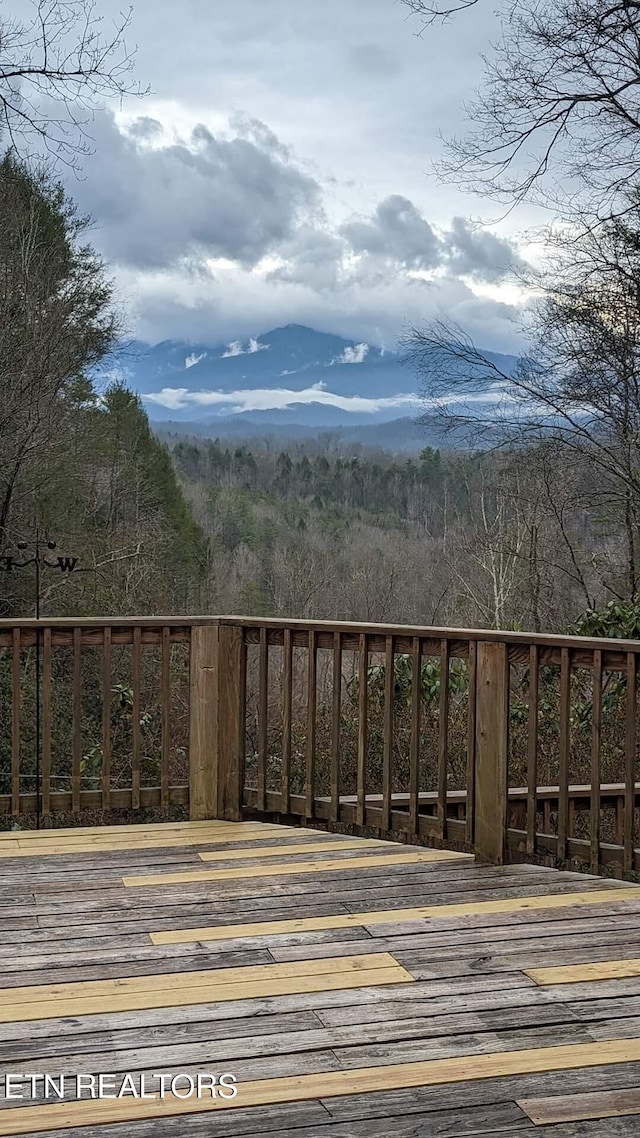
(560,102)
(485,551)
(54,70)
(578,389)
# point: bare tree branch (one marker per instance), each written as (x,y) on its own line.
(431,13)
(579,388)
(55,70)
(557,118)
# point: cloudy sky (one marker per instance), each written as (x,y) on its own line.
(281,172)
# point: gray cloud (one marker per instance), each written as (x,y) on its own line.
(475,252)
(245,305)
(203,196)
(146,129)
(332,115)
(350,85)
(259,133)
(312,257)
(397,231)
(166,207)
(371,60)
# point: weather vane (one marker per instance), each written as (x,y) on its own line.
(10,563)
(43,557)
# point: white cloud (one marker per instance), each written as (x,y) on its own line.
(280,399)
(236,348)
(352,355)
(263,399)
(193,359)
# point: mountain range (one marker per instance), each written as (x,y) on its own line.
(291,380)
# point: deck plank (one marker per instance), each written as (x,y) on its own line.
(267,1089)
(573,1108)
(390,991)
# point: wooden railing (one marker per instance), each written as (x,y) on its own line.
(111,710)
(516,746)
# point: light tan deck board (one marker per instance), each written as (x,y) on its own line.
(577,973)
(393,916)
(389,858)
(32,843)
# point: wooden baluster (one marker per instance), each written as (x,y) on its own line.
(596,727)
(15,722)
(106,719)
(414,744)
(630,764)
(335,726)
(232,801)
(471,744)
(563,753)
(76,773)
(387,743)
(166,716)
(619,822)
(135,717)
(286,721)
(546,816)
(443,739)
(363,727)
(203,722)
(532,749)
(46,721)
(492,743)
(263,716)
(312,660)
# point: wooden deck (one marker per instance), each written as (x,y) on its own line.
(354,989)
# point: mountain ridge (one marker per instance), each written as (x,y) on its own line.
(291,373)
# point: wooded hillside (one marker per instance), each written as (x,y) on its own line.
(478,539)
(79,465)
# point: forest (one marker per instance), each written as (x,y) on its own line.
(517,539)
(532,524)
(77,465)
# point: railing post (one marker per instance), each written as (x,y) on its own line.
(492,740)
(216,722)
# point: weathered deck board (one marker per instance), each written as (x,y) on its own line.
(562,1108)
(450,1048)
(300,1079)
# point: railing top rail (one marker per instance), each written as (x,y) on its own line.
(435,633)
(63,622)
(354,627)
